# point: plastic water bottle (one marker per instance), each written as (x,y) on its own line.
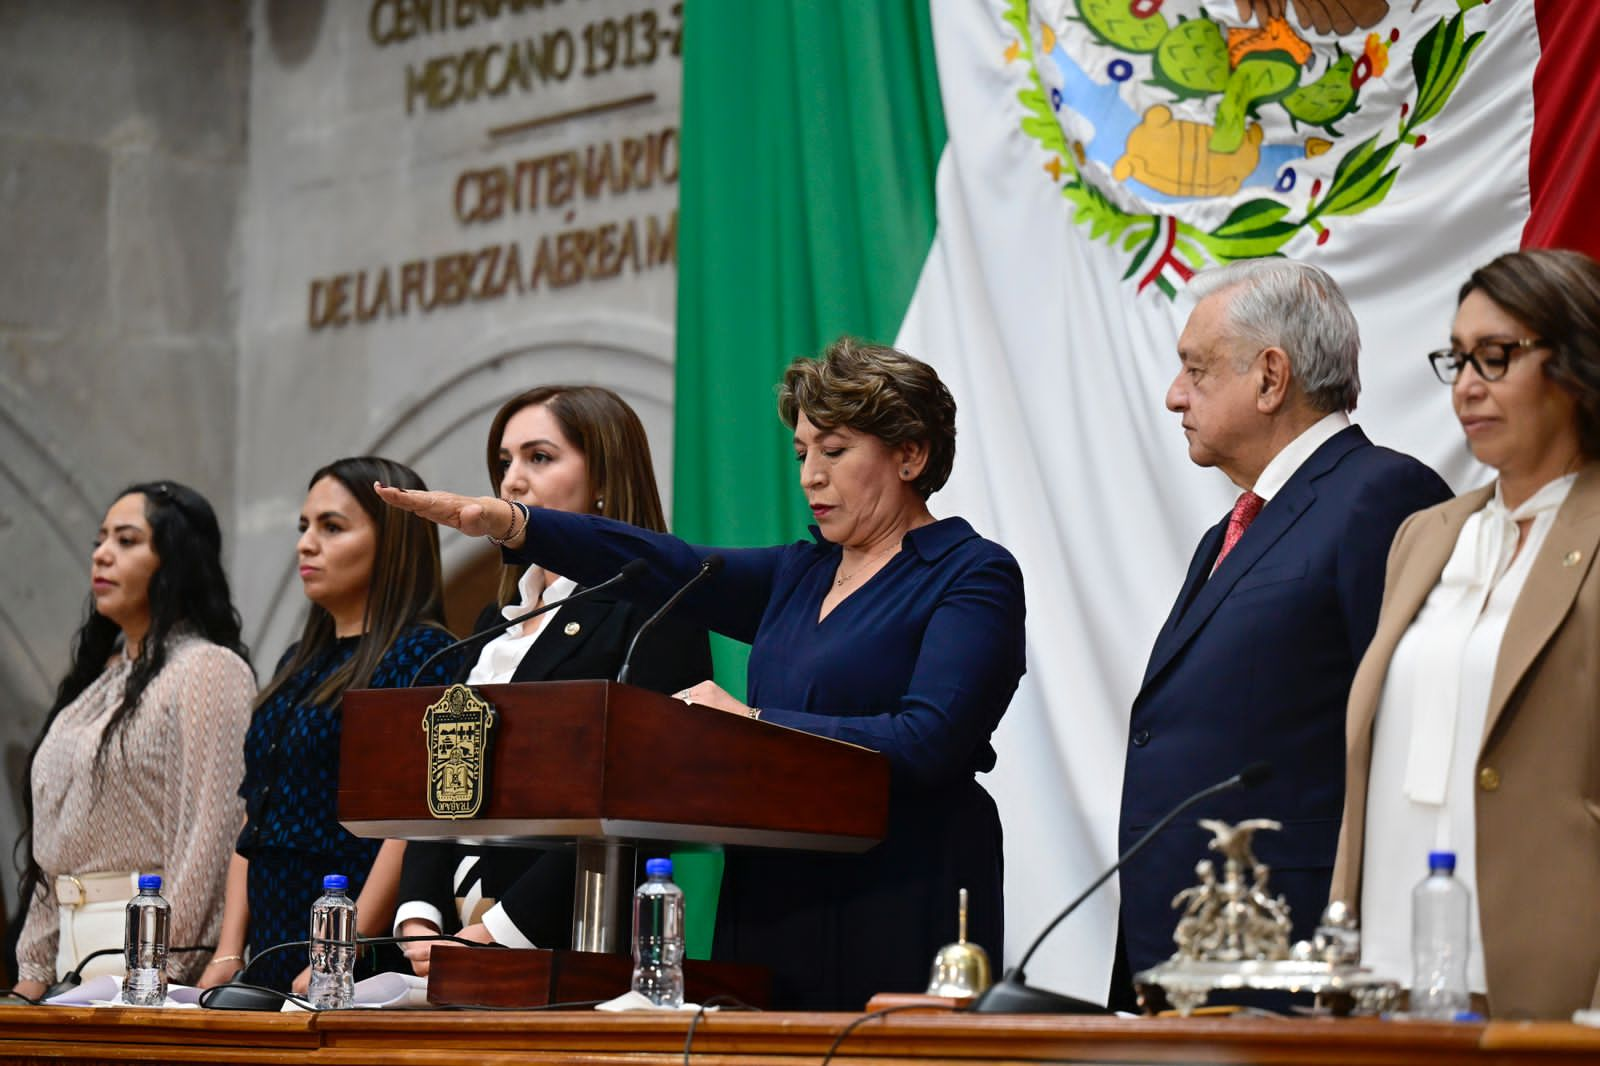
(658,936)
(333,946)
(1441,915)
(144,945)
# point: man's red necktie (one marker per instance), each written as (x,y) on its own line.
(1245,510)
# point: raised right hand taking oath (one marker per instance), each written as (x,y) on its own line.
(476,516)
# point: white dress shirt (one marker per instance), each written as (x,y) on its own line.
(1276,474)
(499,658)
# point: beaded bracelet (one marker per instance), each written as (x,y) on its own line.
(515,530)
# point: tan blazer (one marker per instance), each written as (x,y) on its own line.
(1538,781)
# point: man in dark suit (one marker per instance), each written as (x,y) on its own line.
(1256,658)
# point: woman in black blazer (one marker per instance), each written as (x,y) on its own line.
(571,448)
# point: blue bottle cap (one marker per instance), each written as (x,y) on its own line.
(658,867)
(335,883)
(149,882)
(1442,860)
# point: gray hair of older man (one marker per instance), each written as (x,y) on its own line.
(1281,303)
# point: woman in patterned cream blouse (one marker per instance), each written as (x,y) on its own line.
(136,768)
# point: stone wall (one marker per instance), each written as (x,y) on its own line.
(199,204)
(449,202)
(122,148)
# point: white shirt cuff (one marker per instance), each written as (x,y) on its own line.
(505,933)
(417,909)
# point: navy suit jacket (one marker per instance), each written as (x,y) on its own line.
(1255,663)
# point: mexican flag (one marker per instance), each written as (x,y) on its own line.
(1018,193)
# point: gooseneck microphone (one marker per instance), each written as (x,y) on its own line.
(630,570)
(1011,994)
(708,567)
(237,994)
(74,977)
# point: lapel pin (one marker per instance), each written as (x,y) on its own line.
(571,629)
(1573,558)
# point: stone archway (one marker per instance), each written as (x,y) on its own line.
(439,432)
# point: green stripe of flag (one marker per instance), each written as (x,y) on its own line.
(811,132)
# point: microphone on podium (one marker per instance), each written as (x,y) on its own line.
(708,568)
(630,570)
(74,976)
(1012,995)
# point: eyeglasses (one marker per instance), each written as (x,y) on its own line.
(1491,359)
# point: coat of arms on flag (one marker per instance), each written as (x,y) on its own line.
(1188,133)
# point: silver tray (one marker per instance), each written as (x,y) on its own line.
(1343,989)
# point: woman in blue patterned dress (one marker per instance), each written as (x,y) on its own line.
(373,577)
(889,628)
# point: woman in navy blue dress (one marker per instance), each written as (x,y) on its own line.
(373,579)
(889,629)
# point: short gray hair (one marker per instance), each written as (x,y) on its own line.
(1281,303)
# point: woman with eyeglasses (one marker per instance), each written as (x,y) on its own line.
(1474,719)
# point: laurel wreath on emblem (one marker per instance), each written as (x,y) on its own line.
(1247,70)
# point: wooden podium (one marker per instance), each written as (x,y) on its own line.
(603,766)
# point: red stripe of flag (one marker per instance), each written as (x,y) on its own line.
(1564,154)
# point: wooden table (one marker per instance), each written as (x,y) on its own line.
(436,1038)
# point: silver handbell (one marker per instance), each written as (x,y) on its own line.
(961,969)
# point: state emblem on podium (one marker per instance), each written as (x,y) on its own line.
(459,731)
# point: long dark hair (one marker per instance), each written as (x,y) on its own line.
(188,595)
(406,587)
(608,433)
